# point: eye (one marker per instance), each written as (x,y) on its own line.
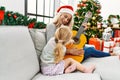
(65,16)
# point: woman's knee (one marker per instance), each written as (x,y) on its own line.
(89,49)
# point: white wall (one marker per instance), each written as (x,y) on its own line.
(110,7)
(13,5)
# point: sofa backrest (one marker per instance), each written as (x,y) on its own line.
(18,59)
(39,39)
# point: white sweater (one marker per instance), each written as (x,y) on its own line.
(47,57)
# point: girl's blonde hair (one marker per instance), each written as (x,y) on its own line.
(57,23)
(62,36)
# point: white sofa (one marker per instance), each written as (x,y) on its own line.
(20,49)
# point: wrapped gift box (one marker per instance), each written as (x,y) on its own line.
(96,42)
(108,46)
(117,41)
(116,50)
(117,33)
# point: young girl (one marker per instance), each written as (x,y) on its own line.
(52,62)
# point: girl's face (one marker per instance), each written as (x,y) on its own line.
(66,18)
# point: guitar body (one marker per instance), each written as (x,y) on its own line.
(82,42)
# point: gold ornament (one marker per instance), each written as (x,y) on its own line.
(88,23)
(93,36)
(93,18)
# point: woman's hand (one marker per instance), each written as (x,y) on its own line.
(75,51)
(85,26)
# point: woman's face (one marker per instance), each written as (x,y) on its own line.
(66,18)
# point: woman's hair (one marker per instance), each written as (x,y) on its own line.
(57,22)
(62,35)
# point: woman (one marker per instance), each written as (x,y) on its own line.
(64,16)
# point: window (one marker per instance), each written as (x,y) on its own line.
(42,10)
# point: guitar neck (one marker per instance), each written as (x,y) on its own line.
(85,20)
(81,29)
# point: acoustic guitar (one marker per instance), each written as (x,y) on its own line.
(79,40)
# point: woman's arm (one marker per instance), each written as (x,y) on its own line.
(50,31)
(75,51)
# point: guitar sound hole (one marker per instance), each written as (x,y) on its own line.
(76,40)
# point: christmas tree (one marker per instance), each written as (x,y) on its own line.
(82,8)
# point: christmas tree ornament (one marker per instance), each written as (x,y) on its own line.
(93,18)
(14,16)
(88,23)
(82,4)
(93,36)
(99,25)
(76,13)
(9,14)
(78,5)
(98,11)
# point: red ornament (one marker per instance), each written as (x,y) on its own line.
(78,5)
(9,14)
(14,16)
(2,14)
(76,13)
(98,11)
(31,25)
(82,4)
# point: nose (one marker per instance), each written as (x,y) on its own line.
(66,20)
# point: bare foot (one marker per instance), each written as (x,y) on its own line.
(90,69)
(71,68)
(119,57)
(113,54)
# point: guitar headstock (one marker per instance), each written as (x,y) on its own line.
(88,14)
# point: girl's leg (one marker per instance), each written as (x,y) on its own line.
(92,52)
(71,68)
(69,62)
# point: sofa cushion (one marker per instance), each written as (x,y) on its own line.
(38,37)
(70,76)
(18,59)
(107,67)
